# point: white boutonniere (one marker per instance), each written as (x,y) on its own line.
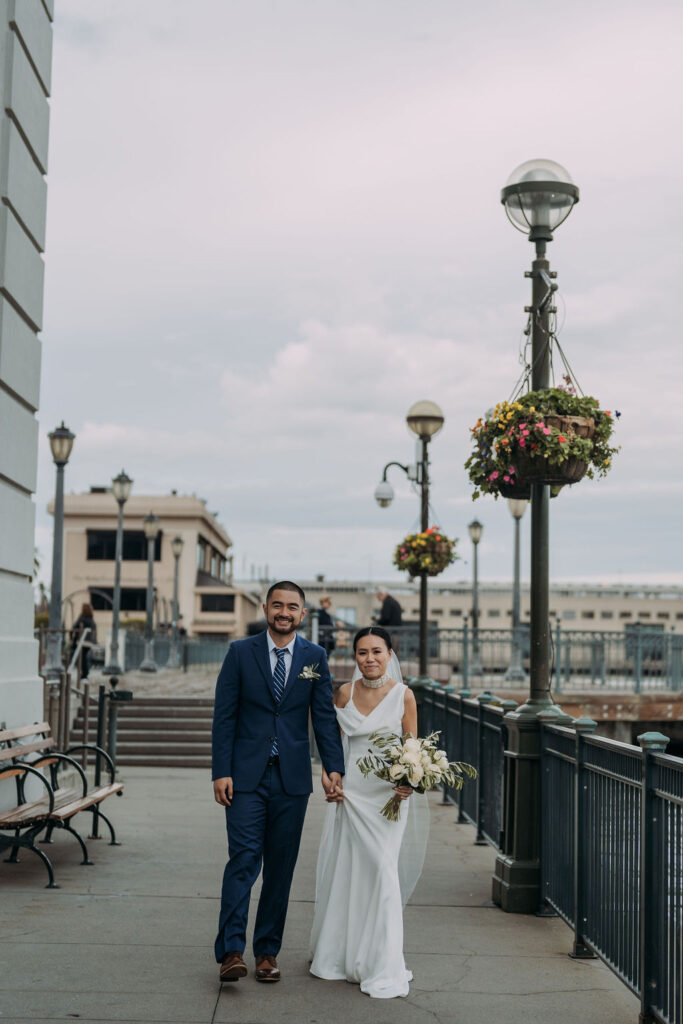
(309,672)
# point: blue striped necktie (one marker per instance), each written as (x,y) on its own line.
(278,685)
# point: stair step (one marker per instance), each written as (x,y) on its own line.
(134,710)
(152,725)
(161,749)
(159,738)
(181,761)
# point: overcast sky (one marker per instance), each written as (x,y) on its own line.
(273,226)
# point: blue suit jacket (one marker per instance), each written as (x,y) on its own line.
(246,717)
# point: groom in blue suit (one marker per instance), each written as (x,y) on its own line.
(266,689)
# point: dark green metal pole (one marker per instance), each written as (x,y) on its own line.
(517,876)
(113,668)
(424,523)
(539,675)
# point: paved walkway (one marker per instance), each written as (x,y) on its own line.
(130,938)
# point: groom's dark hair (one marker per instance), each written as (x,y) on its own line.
(286,585)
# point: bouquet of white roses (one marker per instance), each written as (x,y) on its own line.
(407,761)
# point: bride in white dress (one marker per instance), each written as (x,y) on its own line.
(367,865)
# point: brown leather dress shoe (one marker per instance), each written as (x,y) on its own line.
(267,969)
(233,967)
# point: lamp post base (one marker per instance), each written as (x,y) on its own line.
(148,663)
(112,669)
(174,659)
(516,674)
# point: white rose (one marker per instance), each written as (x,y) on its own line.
(412,744)
(440,755)
(410,757)
(416,774)
(396,772)
(395,753)
(425,759)
(443,763)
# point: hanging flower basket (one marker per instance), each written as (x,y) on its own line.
(425,553)
(550,437)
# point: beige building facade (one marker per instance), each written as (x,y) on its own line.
(210,606)
(577,606)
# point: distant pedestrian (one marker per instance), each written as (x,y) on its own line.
(84,621)
(326,625)
(390,613)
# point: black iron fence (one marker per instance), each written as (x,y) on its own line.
(637,659)
(612,836)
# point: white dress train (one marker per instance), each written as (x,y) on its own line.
(367,866)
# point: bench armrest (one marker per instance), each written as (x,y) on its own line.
(34,771)
(100,752)
(53,755)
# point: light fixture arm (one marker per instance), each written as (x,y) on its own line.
(406,470)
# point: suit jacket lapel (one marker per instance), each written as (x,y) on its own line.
(298,658)
(263,660)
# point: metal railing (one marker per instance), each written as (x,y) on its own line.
(636,660)
(612,836)
(472,730)
(612,861)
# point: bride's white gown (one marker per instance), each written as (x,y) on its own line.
(364,876)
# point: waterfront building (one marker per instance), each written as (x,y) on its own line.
(211,606)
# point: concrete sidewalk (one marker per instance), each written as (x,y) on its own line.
(131,938)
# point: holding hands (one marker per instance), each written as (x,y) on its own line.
(332,784)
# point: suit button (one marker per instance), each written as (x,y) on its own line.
(277,714)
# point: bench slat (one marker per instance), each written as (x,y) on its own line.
(24,730)
(9,772)
(27,813)
(82,803)
(22,749)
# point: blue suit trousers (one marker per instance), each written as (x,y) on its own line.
(264,828)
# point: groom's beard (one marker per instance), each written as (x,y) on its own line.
(283,626)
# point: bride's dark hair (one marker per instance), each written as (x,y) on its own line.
(372,631)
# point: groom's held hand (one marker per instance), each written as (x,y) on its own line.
(334,791)
(222,791)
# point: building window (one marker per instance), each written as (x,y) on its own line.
(662,615)
(218,602)
(606,615)
(437,611)
(102,546)
(568,613)
(587,615)
(347,615)
(494,613)
(643,615)
(458,611)
(625,615)
(133,599)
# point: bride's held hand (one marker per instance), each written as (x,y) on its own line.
(332,784)
(404,791)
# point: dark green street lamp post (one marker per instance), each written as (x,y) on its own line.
(538,197)
(61,443)
(151,528)
(426,420)
(475,530)
(177,549)
(515,672)
(121,486)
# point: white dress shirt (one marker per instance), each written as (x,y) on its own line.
(273,656)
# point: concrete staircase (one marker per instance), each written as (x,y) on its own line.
(169,732)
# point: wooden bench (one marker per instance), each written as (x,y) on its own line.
(56,809)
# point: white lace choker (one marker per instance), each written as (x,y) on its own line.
(374,684)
